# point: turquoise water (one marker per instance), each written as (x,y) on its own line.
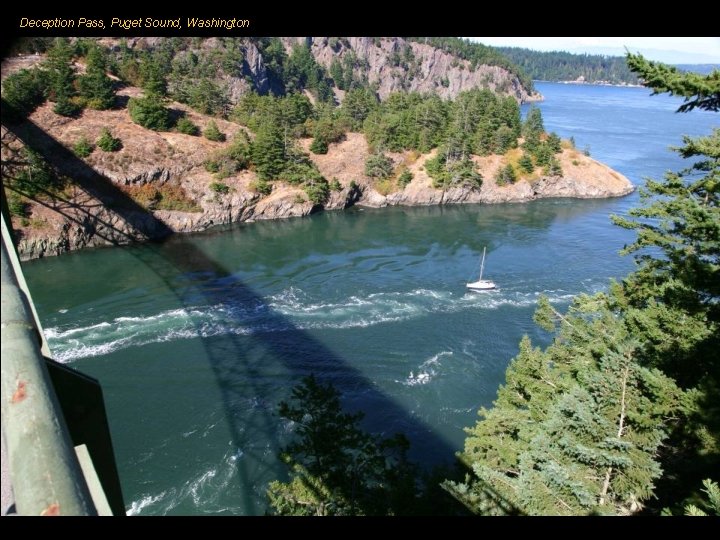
(196,340)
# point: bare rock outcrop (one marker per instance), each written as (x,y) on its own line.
(423,69)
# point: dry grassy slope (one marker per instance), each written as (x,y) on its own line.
(583,177)
(174,159)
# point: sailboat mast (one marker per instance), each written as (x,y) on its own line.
(482,264)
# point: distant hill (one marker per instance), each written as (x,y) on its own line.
(702,69)
(563,66)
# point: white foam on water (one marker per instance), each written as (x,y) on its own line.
(148,500)
(297,310)
(203,490)
(427,371)
(55,333)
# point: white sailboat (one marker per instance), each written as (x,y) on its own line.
(481,284)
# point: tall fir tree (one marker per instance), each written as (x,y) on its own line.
(576,428)
(533,124)
(95,85)
(673,299)
(268,150)
(61,77)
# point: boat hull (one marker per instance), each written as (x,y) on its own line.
(481,285)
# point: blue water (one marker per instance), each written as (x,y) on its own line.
(196,340)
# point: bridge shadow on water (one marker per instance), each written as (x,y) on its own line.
(231,357)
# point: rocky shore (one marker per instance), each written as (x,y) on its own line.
(100,206)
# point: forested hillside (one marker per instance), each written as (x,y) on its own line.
(235,129)
(564,66)
(226,68)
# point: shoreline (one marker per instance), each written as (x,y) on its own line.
(93,233)
(594,83)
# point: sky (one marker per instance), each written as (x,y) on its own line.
(675,50)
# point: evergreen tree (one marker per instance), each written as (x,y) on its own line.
(576,428)
(349,62)
(379,166)
(533,123)
(504,140)
(405,178)
(505,175)
(317,189)
(295,110)
(95,86)
(319,144)
(553,168)
(208,97)
(186,126)
(24,91)
(327,129)
(526,164)
(150,112)
(268,151)
(153,77)
(699,91)
(595,450)
(710,507)
(681,219)
(213,133)
(35,175)
(302,71)
(336,72)
(509,114)
(447,171)
(464,117)
(336,468)
(61,78)
(673,299)
(430,120)
(484,140)
(543,154)
(554,143)
(357,105)
(587,425)
(83,148)
(107,142)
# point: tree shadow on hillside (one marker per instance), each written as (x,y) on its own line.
(230,357)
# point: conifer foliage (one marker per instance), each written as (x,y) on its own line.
(336,467)
(95,86)
(61,78)
(625,391)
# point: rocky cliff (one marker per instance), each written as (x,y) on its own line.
(394,64)
(391,64)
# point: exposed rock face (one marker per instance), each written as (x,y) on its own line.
(383,61)
(435,70)
(491,193)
